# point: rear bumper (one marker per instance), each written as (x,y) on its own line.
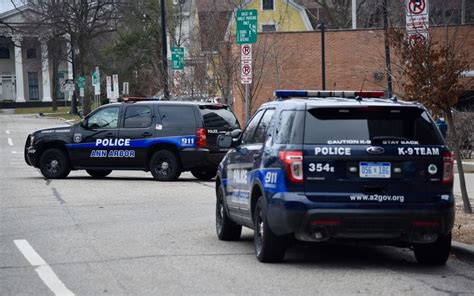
(411,223)
(200,159)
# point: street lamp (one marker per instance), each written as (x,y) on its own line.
(322,27)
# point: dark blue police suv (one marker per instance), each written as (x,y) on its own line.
(319,166)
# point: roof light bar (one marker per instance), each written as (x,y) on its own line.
(326,93)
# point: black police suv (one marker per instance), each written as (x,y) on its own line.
(165,138)
(318,166)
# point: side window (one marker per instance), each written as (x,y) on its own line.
(286,128)
(177,119)
(251,126)
(137,117)
(104,119)
(260,133)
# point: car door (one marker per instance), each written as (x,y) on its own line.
(137,126)
(95,138)
(236,189)
(250,157)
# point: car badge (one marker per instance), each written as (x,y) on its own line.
(432,169)
(77,138)
(375,150)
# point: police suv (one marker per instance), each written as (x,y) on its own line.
(165,138)
(319,165)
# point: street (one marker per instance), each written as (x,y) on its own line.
(129,234)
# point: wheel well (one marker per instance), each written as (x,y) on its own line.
(56,144)
(256,193)
(169,147)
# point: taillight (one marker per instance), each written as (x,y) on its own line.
(293,161)
(448,168)
(201,138)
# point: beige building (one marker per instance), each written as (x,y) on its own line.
(25,72)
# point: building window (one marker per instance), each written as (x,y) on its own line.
(268,5)
(33,85)
(31,53)
(269,28)
(4,53)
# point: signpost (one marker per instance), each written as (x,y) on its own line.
(246,35)
(116,92)
(109,88)
(246,26)
(177,58)
(81,83)
(417,19)
(96,84)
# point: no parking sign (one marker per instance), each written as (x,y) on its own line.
(417,19)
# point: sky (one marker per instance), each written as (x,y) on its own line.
(7,5)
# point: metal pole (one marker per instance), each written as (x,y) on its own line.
(388,64)
(354,14)
(73,109)
(246,103)
(166,91)
(463,12)
(322,27)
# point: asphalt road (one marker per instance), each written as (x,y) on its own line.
(128,234)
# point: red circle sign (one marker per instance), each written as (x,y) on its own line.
(246,69)
(417,6)
(246,49)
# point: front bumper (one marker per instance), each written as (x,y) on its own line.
(30,152)
(410,223)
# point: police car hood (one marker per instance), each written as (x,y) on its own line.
(54,130)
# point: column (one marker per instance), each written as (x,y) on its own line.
(45,72)
(69,64)
(20,86)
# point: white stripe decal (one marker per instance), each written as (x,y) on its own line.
(44,271)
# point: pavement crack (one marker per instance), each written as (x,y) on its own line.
(205,184)
(48,181)
(58,196)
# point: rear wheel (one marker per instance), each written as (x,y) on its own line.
(164,166)
(436,253)
(99,173)
(227,230)
(203,175)
(54,164)
(268,246)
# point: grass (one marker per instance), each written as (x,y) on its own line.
(61,113)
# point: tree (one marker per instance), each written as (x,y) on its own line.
(431,72)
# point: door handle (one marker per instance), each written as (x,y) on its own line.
(109,135)
(147,134)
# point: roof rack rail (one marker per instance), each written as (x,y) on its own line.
(287,94)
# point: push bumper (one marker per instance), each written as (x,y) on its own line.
(310,221)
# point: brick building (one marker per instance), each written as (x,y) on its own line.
(354,61)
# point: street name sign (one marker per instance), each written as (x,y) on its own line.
(177,58)
(246,26)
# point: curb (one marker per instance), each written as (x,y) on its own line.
(463,249)
(467,166)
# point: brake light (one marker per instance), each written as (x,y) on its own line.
(448,168)
(201,138)
(293,161)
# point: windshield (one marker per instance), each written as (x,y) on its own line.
(372,125)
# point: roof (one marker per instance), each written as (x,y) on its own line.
(343,102)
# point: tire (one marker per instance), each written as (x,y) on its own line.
(54,164)
(226,229)
(98,174)
(436,253)
(268,246)
(203,175)
(164,166)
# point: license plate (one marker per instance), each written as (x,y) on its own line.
(374,169)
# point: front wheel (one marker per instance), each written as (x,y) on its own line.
(54,164)
(268,246)
(203,175)
(436,253)
(98,174)
(227,230)
(164,166)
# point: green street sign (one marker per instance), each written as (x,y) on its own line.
(246,26)
(95,79)
(177,58)
(81,82)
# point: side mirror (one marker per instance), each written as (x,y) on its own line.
(224,141)
(236,133)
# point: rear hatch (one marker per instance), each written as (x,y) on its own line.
(373,155)
(218,119)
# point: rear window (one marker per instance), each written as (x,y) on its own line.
(372,125)
(218,117)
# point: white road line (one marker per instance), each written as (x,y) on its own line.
(10,141)
(14,152)
(8,132)
(44,271)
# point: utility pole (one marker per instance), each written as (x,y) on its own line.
(388,63)
(322,27)
(166,91)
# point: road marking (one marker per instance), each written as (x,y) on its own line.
(44,271)
(14,152)
(10,141)
(8,132)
